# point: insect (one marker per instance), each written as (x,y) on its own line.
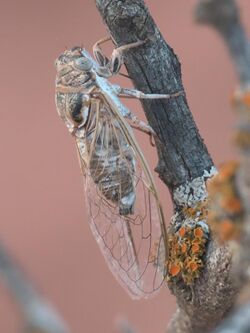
(125,213)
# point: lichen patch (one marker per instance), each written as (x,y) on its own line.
(193,192)
(188,245)
(226,210)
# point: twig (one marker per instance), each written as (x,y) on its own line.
(124,326)
(39,315)
(224,16)
(239,322)
(184,163)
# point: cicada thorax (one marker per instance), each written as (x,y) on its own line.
(111,162)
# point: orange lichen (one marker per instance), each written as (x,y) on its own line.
(199,210)
(187,246)
(246,99)
(226,171)
(174,269)
(242,105)
(184,248)
(195,248)
(226,209)
(193,266)
(226,230)
(192,269)
(198,232)
(190,211)
(182,231)
(241,99)
(232,205)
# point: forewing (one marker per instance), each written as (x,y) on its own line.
(134,244)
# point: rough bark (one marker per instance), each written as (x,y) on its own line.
(154,67)
(184,160)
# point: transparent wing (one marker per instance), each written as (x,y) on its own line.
(125,214)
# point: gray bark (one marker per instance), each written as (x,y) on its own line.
(154,68)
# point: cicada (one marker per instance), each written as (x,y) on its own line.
(126,216)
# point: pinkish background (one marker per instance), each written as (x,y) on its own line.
(42,215)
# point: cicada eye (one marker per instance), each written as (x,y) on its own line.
(83,64)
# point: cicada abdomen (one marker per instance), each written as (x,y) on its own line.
(112,163)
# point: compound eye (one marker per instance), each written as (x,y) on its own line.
(83,64)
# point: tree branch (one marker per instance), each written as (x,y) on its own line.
(154,67)
(39,315)
(124,326)
(239,322)
(224,16)
(184,163)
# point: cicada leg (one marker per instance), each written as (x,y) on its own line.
(133,93)
(114,64)
(98,53)
(143,127)
(117,55)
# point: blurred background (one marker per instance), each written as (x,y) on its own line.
(43,220)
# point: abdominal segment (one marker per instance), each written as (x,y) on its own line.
(112,167)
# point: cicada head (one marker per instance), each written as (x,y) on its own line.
(74,77)
(74,67)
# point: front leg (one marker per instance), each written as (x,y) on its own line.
(117,55)
(100,57)
(112,66)
(133,93)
